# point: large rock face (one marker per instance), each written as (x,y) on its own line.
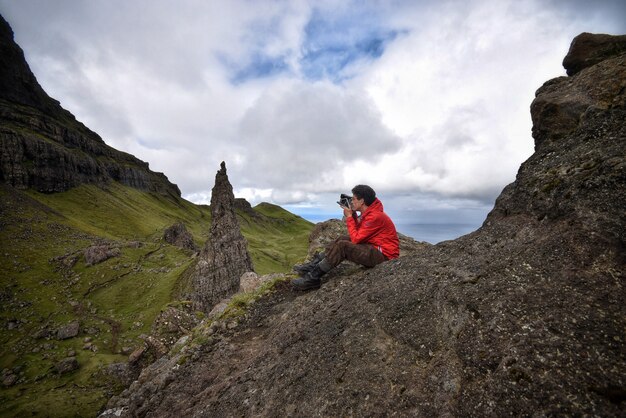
(224,257)
(524,317)
(42,146)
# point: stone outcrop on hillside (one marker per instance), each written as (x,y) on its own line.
(524,316)
(42,145)
(179,236)
(244,206)
(225,256)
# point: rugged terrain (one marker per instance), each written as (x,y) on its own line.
(524,316)
(94,250)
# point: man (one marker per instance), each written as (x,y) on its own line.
(373,239)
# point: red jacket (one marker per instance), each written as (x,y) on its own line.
(376,228)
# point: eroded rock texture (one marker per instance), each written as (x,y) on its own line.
(225,256)
(179,236)
(522,317)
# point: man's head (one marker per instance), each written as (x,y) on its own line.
(364,192)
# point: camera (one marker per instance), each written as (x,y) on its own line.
(345,200)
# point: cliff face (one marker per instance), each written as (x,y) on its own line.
(225,256)
(525,316)
(42,146)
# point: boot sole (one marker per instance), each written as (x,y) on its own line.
(305,287)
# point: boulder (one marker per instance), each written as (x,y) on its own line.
(68,331)
(67,365)
(99,253)
(179,236)
(249,281)
(588,49)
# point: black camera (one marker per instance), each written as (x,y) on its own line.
(345,200)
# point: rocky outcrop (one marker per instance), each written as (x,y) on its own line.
(179,236)
(244,206)
(588,49)
(524,316)
(225,256)
(42,145)
(96,254)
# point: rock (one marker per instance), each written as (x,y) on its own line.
(136,355)
(99,253)
(588,49)
(68,331)
(121,372)
(178,235)
(249,281)
(564,104)
(219,308)
(156,346)
(67,365)
(171,324)
(8,378)
(225,256)
(244,206)
(44,332)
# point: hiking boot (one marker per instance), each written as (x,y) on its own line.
(307,282)
(312,279)
(303,269)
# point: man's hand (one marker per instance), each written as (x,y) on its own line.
(347,212)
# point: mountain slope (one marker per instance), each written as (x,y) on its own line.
(42,145)
(47,283)
(525,316)
(84,267)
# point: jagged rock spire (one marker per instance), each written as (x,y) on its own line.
(225,255)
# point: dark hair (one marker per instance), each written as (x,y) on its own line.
(364,192)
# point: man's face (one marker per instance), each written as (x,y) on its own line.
(357,204)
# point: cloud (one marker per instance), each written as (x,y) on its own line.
(299,136)
(305,99)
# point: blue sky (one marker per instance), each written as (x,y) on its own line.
(426,101)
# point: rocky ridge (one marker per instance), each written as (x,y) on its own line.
(44,147)
(524,316)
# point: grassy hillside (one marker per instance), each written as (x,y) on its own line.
(277,243)
(47,284)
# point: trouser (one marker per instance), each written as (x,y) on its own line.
(343,249)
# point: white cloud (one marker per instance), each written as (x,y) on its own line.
(432,101)
(299,136)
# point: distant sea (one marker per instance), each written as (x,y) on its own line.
(434,233)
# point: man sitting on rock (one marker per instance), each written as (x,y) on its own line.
(373,239)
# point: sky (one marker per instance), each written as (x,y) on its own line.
(425,101)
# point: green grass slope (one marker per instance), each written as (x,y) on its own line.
(46,283)
(277,242)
